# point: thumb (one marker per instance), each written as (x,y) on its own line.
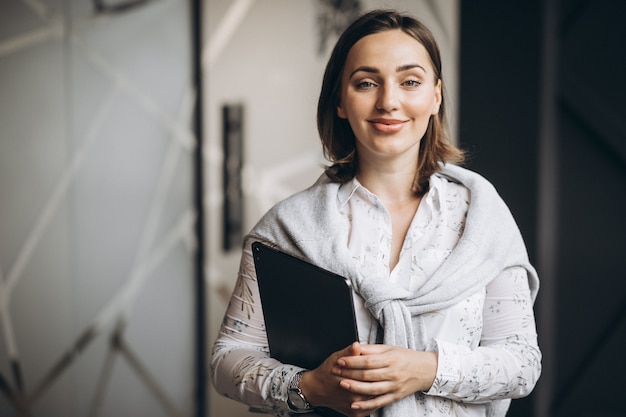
(353,350)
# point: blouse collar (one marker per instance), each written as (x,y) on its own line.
(348,189)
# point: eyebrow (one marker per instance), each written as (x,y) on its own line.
(373,70)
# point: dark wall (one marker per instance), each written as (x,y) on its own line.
(499,115)
(499,96)
(542,114)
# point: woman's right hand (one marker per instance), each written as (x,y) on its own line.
(322,388)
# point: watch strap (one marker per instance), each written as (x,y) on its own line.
(294,388)
(295,381)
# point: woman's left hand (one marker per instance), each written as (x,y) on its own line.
(386,374)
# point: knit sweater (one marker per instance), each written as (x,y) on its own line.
(309,225)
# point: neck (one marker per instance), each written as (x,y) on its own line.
(392,186)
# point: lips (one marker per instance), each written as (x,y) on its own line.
(387,125)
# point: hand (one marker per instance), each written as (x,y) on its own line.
(322,388)
(382,374)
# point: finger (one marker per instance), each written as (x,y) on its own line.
(374,349)
(354,350)
(367,389)
(365,375)
(372,403)
(371,361)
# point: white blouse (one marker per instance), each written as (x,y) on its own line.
(487,344)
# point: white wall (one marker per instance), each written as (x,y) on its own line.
(267,60)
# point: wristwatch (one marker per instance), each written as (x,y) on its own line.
(295,398)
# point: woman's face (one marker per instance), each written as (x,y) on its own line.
(388,93)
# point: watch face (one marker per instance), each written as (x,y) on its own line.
(297,401)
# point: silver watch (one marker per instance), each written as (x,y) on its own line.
(295,398)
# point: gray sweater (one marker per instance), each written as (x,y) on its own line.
(309,225)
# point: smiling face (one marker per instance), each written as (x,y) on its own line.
(388,94)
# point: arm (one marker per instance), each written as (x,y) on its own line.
(507,363)
(241,367)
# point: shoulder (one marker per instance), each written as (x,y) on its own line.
(448,194)
(300,214)
(464,176)
(475,183)
(323,189)
(482,193)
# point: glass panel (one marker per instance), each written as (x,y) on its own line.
(96,231)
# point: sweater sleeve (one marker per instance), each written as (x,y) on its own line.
(507,362)
(241,367)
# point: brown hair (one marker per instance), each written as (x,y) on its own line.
(337,137)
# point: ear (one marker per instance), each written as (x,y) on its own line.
(341,113)
(438,98)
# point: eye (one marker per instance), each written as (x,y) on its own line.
(364,85)
(412,83)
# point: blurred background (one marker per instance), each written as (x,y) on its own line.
(140,139)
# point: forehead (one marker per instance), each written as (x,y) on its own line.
(391,47)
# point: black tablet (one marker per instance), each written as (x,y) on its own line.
(308,311)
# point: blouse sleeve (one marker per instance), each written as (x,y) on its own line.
(241,367)
(507,362)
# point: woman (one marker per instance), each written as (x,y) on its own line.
(443,287)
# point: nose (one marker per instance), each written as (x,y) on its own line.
(387,98)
